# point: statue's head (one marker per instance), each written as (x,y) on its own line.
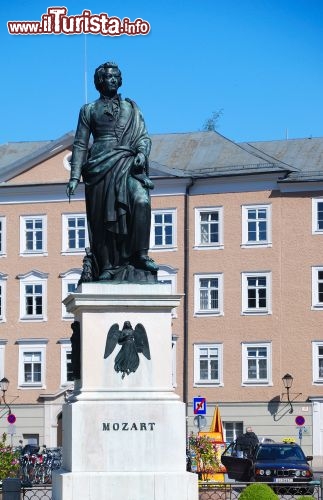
(101,73)
(127,325)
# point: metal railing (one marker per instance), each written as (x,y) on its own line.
(209,490)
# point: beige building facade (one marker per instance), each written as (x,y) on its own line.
(237,229)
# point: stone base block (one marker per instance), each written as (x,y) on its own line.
(126,486)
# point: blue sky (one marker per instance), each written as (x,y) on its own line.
(260,61)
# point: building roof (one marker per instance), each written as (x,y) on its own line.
(195,154)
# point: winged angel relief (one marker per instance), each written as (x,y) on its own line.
(132,343)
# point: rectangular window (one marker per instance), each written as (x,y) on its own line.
(208,227)
(33,296)
(256,363)
(2,236)
(256,293)
(33,234)
(317,216)
(34,300)
(32,354)
(67,377)
(1,302)
(317,349)
(75,233)
(317,287)
(32,367)
(208,364)
(163,229)
(232,430)
(256,225)
(70,281)
(208,294)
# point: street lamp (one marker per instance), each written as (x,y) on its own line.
(288,382)
(4,384)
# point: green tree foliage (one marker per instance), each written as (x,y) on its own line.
(9,462)
(205,454)
(258,491)
(211,123)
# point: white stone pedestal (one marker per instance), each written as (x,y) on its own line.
(124,438)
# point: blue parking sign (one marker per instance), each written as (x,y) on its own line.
(199,406)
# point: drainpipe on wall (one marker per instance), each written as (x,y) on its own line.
(186,290)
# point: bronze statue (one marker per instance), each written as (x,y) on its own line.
(115,173)
(132,342)
(76,350)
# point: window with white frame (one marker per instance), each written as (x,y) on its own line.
(174,369)
(75,233)
(33,235)
(317,287)
(70,280)
(256,293)
(167,275)
(163,229)
(2,236)
(317,360)
(256,225)
(317,215)
(256,363)
(33,296)
(209,294)
(209,227)
(232,430)
(208,369)
(67,377)
(32,363)
(3,282)
(2,357)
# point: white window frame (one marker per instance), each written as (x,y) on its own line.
(168,274)
(28,346)
(65,240)
(315,219)
(33,278)
(315,361)
(23,241)
(198,237)
(164,247)
(3,236)
(2,357)
(257,310)
(197,303)
(174,360)
(316,304)
(69,277)
(246,243)
(257,381)
(66,347)
(198,382)
(3,297)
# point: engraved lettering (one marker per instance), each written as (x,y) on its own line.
(125,426)
(143,426)
(134,427)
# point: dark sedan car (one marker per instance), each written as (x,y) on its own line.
(278,463)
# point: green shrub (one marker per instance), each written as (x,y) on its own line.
(258,491)
(9,463)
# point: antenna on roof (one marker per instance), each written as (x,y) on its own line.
(85,68)
(286,134)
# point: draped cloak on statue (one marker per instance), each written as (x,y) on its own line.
(117,202)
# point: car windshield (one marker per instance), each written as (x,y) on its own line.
(290,453)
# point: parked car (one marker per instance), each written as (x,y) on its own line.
(283,464)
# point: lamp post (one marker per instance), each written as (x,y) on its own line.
(288,382)
(4,384)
